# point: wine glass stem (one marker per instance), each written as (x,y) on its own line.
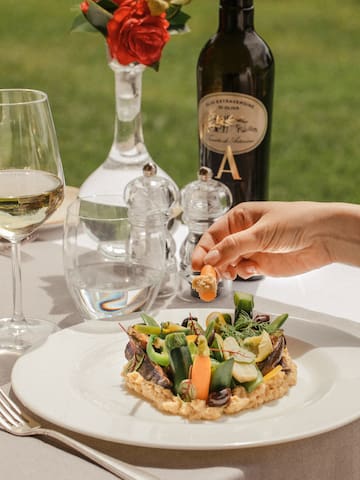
(18,316)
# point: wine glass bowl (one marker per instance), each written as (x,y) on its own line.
(31,189)
(114,261)
(27,199)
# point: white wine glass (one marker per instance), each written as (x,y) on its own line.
(31,189)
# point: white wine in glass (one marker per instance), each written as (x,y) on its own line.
(31,189)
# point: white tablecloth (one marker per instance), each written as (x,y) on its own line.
(329,295)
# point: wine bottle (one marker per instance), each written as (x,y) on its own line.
(235,83)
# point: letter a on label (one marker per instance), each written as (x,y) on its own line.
(229,159)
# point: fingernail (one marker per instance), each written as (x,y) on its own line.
(251,270)
(212,257)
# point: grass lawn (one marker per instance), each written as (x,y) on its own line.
(316,125)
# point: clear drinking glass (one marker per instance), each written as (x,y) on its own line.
(114,259)
(31,189)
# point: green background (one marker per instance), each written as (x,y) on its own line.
(316,124)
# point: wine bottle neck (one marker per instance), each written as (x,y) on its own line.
(236,15)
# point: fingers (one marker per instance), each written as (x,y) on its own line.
(263,238)
(238,219)
(232,248)
(205,244)
(230,257)
(280,264)
(247,269)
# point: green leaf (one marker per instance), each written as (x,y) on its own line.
(108,5)
(98,17)
(177,18)
(155,66)
(81,24)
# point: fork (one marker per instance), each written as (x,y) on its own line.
(14,421)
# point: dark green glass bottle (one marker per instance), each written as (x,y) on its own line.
(235,82)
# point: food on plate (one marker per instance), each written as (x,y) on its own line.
(202,370)
(205,284)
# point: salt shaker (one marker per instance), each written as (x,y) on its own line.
(203,202)
(151,192)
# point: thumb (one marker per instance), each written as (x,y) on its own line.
(232,247)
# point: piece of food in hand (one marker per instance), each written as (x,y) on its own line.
(239,361)
(206,283)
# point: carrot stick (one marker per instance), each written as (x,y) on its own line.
(205,284)
(208,270)
(201,370)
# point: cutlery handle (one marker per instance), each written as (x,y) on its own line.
(117,467)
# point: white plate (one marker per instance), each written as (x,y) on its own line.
(74,381)
(58,217)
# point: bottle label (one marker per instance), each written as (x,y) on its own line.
(231,123)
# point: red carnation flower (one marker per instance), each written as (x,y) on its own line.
(134,35)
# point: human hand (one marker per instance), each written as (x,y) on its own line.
(271,238)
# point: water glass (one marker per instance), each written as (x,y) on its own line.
(114,259)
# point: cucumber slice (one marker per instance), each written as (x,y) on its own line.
(243,302)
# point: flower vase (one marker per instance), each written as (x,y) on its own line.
(128,152)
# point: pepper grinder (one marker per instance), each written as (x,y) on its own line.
(203,202)
(151,192)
